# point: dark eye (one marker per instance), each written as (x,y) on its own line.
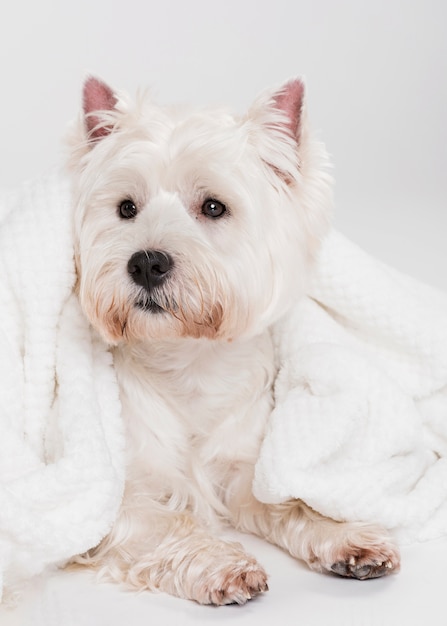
(127,209)
(213,208)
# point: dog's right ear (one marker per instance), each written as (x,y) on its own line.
(98,101)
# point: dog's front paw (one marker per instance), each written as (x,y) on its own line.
(370,554)
(364,566)
(236,584)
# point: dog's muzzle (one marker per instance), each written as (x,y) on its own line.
(149,268)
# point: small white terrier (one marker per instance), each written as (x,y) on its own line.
(195,232)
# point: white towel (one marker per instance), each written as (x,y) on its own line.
(359,429)
(61,438)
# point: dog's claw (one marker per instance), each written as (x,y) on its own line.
(341,569)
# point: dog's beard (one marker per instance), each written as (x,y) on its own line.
(168,312)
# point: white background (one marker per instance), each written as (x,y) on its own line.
(377,89)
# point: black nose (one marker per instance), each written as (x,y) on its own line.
(149,268)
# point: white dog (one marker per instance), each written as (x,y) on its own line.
(195,232)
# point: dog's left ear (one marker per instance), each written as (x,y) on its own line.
(290,101)
(98,100)
(275,119)
(281,110)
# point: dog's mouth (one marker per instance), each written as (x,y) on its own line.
(156,303)
(149,305)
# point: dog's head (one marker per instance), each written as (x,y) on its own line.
(194,224)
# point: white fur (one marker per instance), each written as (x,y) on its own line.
(197,380)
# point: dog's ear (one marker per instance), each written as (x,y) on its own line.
(98,100)
(290,100)
(276,118)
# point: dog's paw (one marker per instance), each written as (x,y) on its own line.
(371,555)
(235,584)
(364,566)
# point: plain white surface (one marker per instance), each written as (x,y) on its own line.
(377,90)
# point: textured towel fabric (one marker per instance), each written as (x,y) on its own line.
(359,429)
(61,440)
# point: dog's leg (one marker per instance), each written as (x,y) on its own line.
(354,550)
(171,552)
